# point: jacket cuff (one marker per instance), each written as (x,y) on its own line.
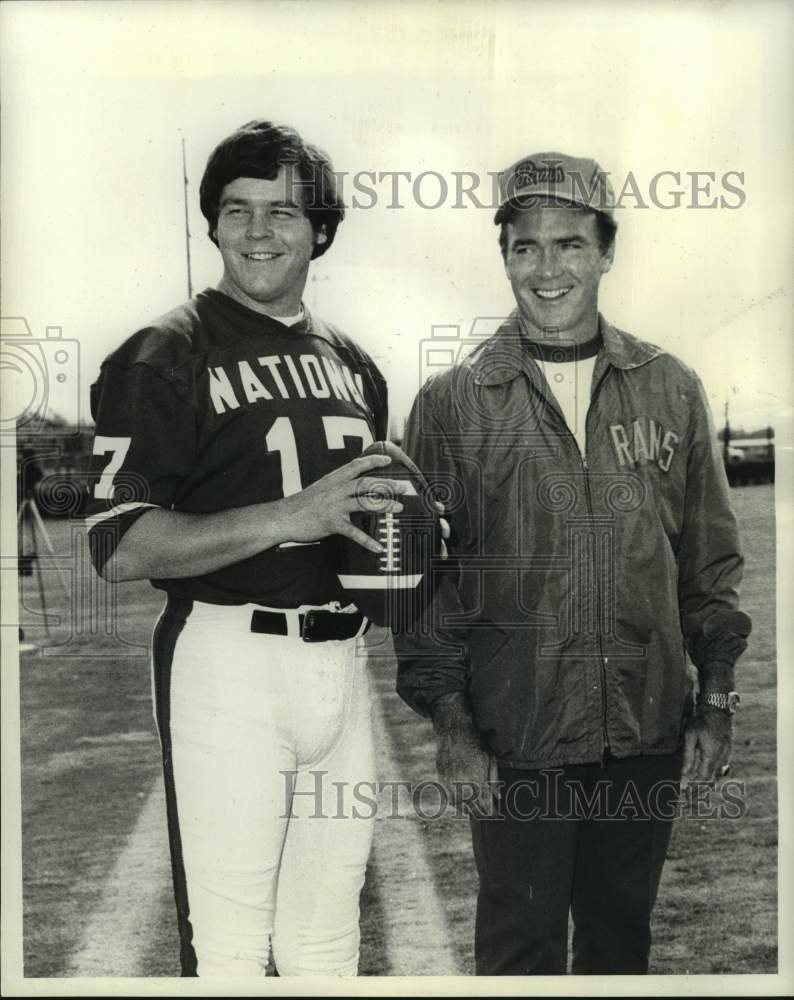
(423,699)
(716,676)
(722,639)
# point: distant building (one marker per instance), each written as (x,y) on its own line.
(750,460)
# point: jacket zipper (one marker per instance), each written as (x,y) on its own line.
(603,660)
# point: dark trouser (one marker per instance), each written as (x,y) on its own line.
(600,857)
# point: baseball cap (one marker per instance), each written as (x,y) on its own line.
(574,179)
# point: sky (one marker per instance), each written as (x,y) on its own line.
(97,98)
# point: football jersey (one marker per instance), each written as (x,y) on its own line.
(215,406)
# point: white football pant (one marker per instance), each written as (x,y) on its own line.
(262,730)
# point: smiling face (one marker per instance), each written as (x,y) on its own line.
(554,263)
(266,243)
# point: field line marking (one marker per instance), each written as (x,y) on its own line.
(119,933)
(415,930)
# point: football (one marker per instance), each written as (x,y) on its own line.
(392,587)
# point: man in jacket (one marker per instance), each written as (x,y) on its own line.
(595,547)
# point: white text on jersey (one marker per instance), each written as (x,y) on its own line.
(321,378)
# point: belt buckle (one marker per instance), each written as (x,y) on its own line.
(307,620)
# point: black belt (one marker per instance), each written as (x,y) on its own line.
(316,625)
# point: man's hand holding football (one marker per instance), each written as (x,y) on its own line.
(324,508)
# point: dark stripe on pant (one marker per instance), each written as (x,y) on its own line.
(166,633)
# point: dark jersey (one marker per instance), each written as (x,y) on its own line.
(215,406)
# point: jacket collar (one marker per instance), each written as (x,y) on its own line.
(505,355)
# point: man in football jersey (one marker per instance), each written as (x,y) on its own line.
(596,546)
(227,460)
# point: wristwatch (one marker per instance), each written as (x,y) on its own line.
(727,702)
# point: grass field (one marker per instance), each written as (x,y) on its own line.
(91,770)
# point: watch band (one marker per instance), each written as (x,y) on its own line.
(726,701)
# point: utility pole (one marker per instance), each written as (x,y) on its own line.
(187,227)
(727,435)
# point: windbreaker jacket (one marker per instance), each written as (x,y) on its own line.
(577,583)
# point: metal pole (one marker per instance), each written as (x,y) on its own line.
(41,593)
(187,228)
(726,440)
(37,521)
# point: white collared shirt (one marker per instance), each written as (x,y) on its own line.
(570,382)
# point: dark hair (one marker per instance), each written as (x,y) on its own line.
(258,149)
(606,226)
